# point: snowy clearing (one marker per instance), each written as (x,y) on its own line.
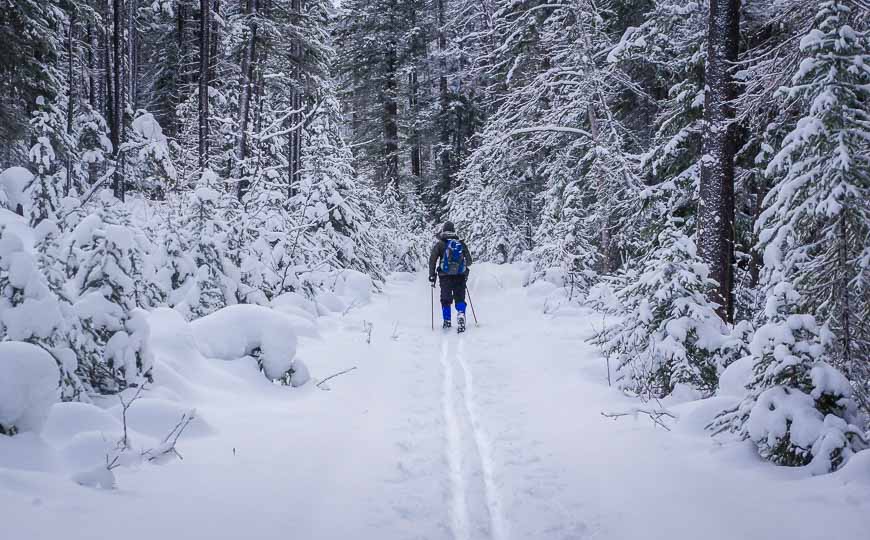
(497,434)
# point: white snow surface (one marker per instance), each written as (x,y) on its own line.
(495,434)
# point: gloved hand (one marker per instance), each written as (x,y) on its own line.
(432,279)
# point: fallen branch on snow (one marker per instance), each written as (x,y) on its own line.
(655,415)
(334,376)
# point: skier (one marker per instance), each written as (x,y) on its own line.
(451,258)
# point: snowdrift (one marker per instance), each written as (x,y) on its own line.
(243,330)
(28,386)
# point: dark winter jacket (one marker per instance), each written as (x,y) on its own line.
(438,252)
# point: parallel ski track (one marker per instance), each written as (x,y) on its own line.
(482,445)
(468,452)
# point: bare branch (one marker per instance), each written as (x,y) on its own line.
(334,376)
(655,415)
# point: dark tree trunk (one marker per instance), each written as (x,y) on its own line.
(132,45)
(92,66)
(246,86)
(70,105)
(118,101)
(294,142)
(390,174)
(214,38)
(444,106)
(716,209)
(416,152)
(109,93)
(204,63)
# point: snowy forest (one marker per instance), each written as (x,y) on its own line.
(693,176)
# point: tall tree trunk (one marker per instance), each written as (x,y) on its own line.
(92,66)
(716,209)
(214,38)
(118,184)
(416,152)
(108,93)
(246,88)
(390,175)
(294,142)
(132,71)
(444,106)
(70,104)
(204,63)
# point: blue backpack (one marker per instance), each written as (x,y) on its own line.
(453,261)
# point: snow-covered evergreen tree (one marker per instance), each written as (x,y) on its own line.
(815,228)
(799,409)
(112,345)
(46,187)
(211,288)
(665,331)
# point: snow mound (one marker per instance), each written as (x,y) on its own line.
(88,449)
(856,470)
(300,311)
(736,376)
(301,375)
(494,277)
(294,303)
(328,302)
(65,420)
(156,417)
(28,385)
(354,286)
(13,188)
(241,330)
(98,477)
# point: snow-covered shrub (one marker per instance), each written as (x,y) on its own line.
(564,238)
(33,305)
(13,189)
(112,341)
(28,386)
(241,330)
(210,287)
(665,331)
(799,409)
(147,153)
(44,189)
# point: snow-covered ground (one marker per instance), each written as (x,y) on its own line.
(495,434)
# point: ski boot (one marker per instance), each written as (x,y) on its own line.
(446,323)
(460,323)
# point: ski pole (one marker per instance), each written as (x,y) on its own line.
(432,307)
(470,303)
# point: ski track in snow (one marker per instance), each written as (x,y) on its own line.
(459,506)
(475,505)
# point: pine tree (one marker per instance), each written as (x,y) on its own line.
(112,345)
(667,332)
(814,228)
(799,409)
(46,156)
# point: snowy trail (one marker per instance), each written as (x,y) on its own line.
(493,435)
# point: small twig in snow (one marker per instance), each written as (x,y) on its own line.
(655,415)
(367,329)
(334,376)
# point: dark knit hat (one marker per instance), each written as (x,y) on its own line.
(448,227)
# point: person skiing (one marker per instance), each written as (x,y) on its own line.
(450,261)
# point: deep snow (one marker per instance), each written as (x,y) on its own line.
(496,434)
